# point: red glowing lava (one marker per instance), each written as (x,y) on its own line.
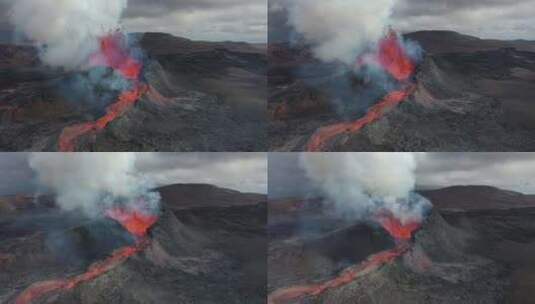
(320,138)
(135,222)
(397,229)
(402,234)
(113,53)
(69,135)
(390,56)
(394,59)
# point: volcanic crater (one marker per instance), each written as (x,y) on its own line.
(477,254)
(50,256)
(469,94)
(188,96)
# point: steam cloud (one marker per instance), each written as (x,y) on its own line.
(364,184)
(67,32)
(94,182)
(340,29)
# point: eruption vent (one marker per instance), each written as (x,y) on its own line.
(373,187)
(402,234)
(135,222)
(114,53)
(66,32)
(98,184)
(393,59)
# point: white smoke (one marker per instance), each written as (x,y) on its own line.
(364,184)
(67,31)
(93,182)
(340,29)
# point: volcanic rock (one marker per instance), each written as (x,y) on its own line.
(471,95)
(202,97)
(196,254)
(470,249)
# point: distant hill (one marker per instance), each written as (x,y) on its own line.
(477,197)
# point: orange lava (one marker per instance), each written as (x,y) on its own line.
(349,275)
(69,135)
(402,234)
(323,135)
(393,58)
(395,228)
(115,54)
(135,222)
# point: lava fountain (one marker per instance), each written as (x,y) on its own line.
(115,54)
(402,234)
(136,222)
(394,60)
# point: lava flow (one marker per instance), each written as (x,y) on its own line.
(392,58)
(114,54)
(402,233)
(323,135)
(135,222)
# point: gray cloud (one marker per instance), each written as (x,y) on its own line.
(498,19)
(245,172)
(213,20)
(502,19)
(513,171)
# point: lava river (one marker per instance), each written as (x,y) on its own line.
(114,54)
(135,222)
(393,59)
(402,233)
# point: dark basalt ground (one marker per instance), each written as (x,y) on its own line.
(472,95)
(199,254)
(480,254)
(215,93)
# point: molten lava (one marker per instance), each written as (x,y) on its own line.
(136,222)
(401,233)
(397,229)
(69,136)
(320,138)
(392,58)
(113,53)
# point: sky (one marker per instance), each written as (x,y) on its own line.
(212,20)
(496,19)
(246,172)
(511,171)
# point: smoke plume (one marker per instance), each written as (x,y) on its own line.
(94,182)
(66,31)
(340,29)
(366,184)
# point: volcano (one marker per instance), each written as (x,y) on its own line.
(129,256)
(466,94)
(139,92)
(481,254)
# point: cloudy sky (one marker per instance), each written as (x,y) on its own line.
(500,19)
(245,172)
(512,171)
(214,20)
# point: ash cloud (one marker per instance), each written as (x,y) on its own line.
(339,30)
(492,19)
(510,171)
(365,184)
(67,32)
(246,172)
(93,182)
